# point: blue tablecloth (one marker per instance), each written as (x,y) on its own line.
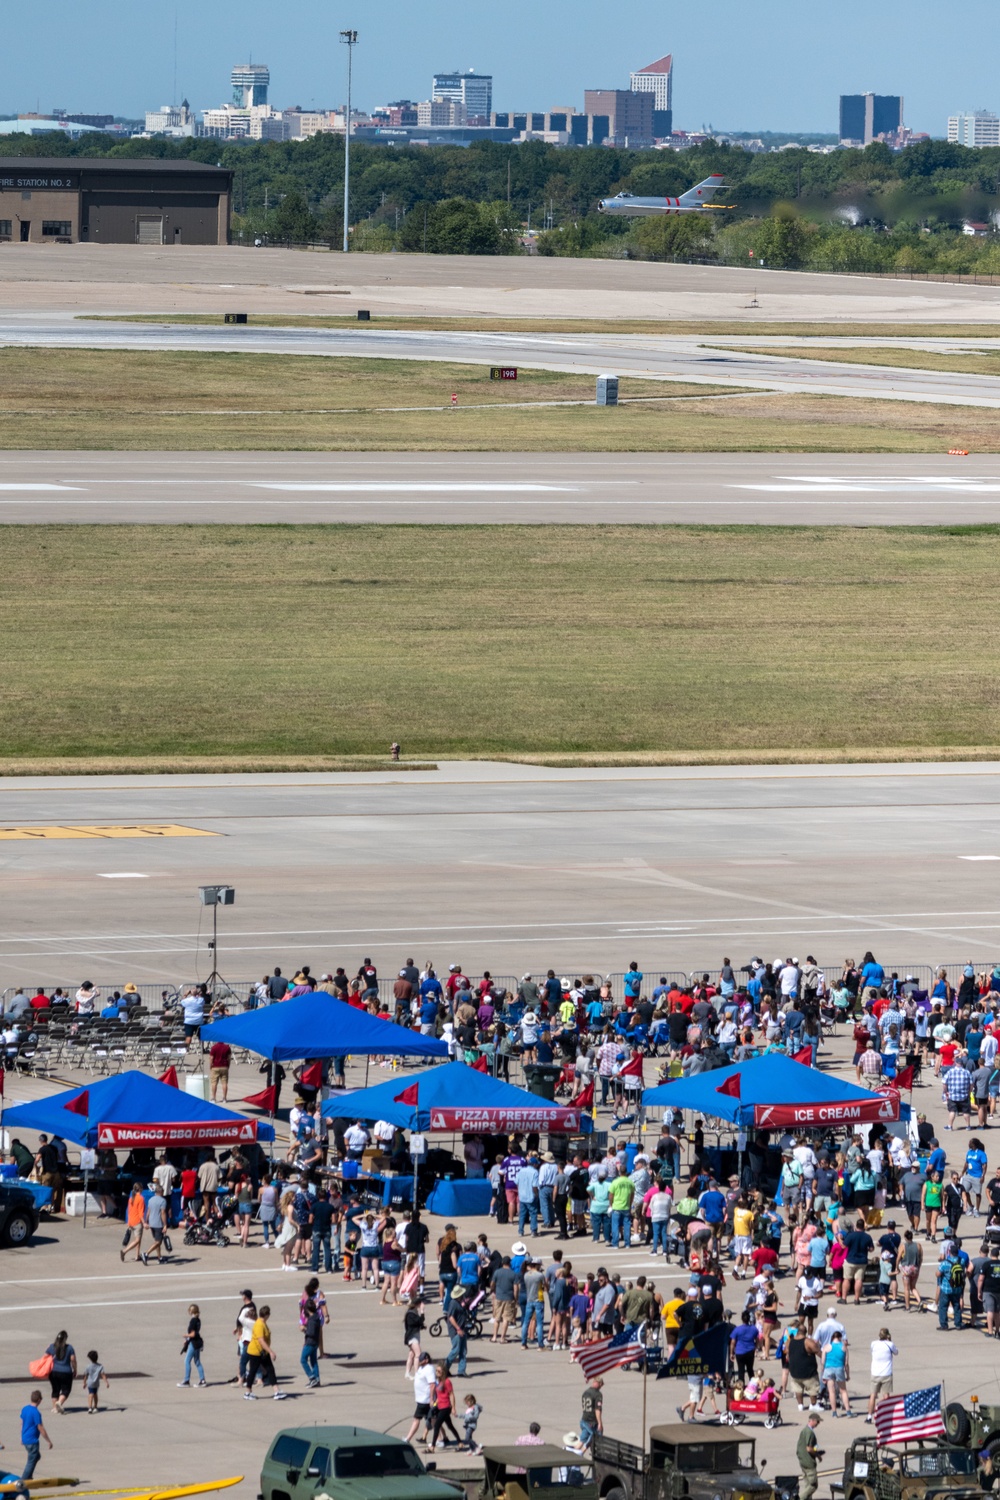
(42,1195)
(397,1192)
(467,1195)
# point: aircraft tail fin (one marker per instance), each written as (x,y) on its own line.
(702,192)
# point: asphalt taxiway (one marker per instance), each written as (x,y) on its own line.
(490,489)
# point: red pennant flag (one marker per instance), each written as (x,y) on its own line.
(408,1096)
(584,1099)
(904,1078)
(170,1077)
(804,1055)
(312,1076)
(731,1087)
(481,1065)
(266,1099)
(632,1069)
(80,1105)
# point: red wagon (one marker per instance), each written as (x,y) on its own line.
(767,1405)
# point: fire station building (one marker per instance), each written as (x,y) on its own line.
(72,199)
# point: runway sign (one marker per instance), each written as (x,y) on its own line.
(96,831)
(503,372)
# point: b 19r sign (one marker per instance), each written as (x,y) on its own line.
(503,372)
(179,1133)
(507,1121)
(850,1112)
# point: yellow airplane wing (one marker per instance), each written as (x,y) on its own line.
(178,1492)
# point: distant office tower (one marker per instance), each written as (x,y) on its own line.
(250,81)
(620,116)
(472,91)
(864,117)
(658,79)
(976,128)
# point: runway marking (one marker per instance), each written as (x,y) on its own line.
(390,487)
(61,487)
(154,1301)
(862,485)
(122,875)
(124,831)
(979,856)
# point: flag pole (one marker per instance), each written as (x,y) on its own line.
(645,1373)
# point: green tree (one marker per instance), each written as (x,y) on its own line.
(292,220)
(675,237)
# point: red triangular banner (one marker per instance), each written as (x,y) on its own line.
(632,1069)
(80,1105)
(584,1099)
(170,1077)
(266,1099)
(481,1065)
(804,1055)
(312,1076)
(904,1078)
(408,1096)
(731,1087)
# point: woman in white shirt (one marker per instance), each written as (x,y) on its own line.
(86,999)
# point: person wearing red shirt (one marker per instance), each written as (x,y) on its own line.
(189,1190)
(39,1001)
(220,1056)
(761,1257)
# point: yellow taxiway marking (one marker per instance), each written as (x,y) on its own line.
(109,831)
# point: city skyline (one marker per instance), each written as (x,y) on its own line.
(742,71)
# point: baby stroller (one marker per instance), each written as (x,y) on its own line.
(198,1233)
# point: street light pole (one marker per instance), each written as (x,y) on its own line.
(349,38)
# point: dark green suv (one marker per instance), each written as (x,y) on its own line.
(346,1463)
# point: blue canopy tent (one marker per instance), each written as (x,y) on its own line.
(318,1026)
(774,1092)
(132,1109)
(456,1098)
(444,1094)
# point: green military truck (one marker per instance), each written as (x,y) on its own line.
(909,1471)
(684,1462)
(346,1463)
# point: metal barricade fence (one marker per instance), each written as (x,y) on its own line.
(651,978)
(500,981)
(151,995)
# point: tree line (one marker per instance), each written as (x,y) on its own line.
(870,209)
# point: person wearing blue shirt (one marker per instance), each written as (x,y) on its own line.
(431,985)
(974,1174)
(872,975)
(661,989)
(937,1160)
(713,1208)
(527,1196)
(32,1430)
(428,1015)
(633,982)
(595,1013)
(468,1267)
(110,1012)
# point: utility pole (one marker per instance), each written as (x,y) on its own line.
(349,38)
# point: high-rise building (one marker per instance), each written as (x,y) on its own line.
(170,119)
(864,117)
(658,79)
(250,81)
(473,91)
(978,127)
(620,116)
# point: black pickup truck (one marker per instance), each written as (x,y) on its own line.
(683,1463)
(18,1216)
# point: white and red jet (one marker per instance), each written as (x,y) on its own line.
(694,201)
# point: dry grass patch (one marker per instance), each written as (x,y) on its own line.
(290,642)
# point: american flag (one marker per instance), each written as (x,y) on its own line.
(596,1358)
(916,1415)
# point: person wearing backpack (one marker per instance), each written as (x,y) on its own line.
(951,1286)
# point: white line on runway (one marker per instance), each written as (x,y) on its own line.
(392,488)
(62,488)
(153,1301)
(979,856)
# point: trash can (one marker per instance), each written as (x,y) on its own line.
(196,1084)
(607,390)
(541,1079)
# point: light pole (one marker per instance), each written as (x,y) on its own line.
(349,39)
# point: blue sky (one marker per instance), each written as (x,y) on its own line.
(771,65)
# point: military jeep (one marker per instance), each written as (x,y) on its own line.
(909,1471)
(683,1461)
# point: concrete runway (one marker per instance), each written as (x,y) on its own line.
(506,867)
(187,278)
(473,488)
(643,356)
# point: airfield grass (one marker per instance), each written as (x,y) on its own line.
(69,399)
(273,644)
(969,362)
(722,327)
